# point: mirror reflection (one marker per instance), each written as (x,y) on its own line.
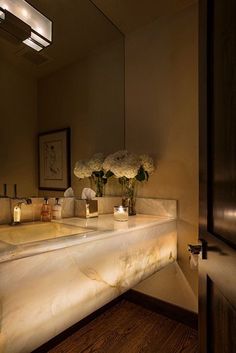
(77,82)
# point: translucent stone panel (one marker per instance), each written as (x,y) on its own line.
(42,295)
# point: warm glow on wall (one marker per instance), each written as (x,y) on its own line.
(40,27)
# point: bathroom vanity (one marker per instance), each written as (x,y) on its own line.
(54,274)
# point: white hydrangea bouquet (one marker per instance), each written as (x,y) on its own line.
(93,169)
(129,168)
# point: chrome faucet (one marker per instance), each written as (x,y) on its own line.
(17,211)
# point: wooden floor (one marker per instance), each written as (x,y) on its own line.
(129,328)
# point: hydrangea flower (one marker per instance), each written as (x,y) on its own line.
(147,163)
(96,162)
(93,169)
(82,169)
(127,165)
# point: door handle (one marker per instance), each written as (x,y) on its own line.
(196,249)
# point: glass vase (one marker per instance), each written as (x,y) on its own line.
(99,183)
(128,195)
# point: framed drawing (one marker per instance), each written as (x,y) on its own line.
(54,160)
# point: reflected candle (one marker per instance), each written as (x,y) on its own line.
(121,213)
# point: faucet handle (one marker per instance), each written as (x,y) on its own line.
(15,191)
(4,195)
(5,190)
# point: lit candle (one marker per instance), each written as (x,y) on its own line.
(121,213)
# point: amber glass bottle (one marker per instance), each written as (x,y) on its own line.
(46,212)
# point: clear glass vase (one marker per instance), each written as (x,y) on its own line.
(100,185)
(128,195)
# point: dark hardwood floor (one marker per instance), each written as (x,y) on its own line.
(130,328)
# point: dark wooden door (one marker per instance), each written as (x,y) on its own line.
(217,272)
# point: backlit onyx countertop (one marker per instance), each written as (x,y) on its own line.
(30,239)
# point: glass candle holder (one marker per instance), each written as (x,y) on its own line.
(121,213)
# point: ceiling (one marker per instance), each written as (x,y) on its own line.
(80,27)
(128,15)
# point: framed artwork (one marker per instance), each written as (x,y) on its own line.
(54,160)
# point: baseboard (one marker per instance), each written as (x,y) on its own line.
(172,311)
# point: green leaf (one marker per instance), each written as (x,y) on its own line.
(141,176)
(98,173)
(109,174)
(123,180)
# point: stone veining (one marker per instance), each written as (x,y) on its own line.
(48,291)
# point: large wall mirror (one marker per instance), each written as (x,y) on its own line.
(76,82)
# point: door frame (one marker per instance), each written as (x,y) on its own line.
(205,96)
(203,170)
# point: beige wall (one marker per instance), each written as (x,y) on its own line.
(88,96)
(171,286)
(162,116)
(18,132)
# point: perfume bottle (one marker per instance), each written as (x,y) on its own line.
(46,212)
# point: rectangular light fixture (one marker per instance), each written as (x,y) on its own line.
(2,16)
(14,27)
(40,35)
(32,44)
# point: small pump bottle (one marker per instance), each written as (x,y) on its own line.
(56,210)
(17,214)
(46,212)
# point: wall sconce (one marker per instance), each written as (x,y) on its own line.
(20,20)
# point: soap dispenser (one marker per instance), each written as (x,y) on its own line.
(56,210)
(46,212)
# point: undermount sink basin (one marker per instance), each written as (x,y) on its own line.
(32,232)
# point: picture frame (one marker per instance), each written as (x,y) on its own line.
(54,160)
